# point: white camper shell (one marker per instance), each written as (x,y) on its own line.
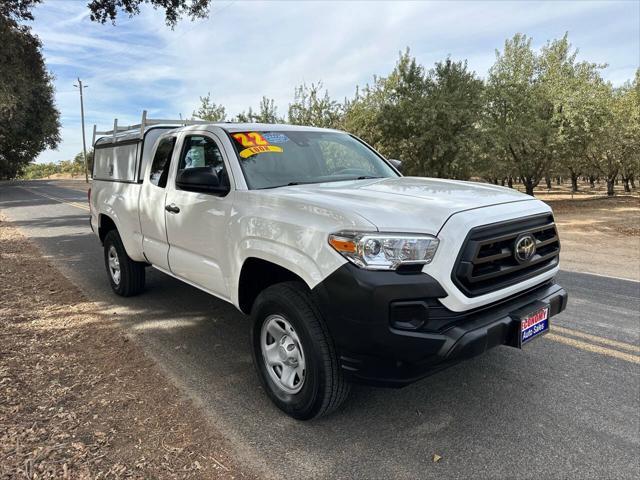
(121,154)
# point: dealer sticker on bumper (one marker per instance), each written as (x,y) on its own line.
(534,325)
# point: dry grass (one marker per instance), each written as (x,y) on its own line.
(77,398)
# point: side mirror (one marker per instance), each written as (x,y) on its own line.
(396,163)
(200,179)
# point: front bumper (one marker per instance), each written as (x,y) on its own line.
(390,329)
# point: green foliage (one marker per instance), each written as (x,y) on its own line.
(428,119)
(629,113)
(39,170)
(18,9)
(314,108)
(615,145)
(28,118)
(74,167)
(107,10)
(103,11)
(79,160)
(267,113)
(209,110)
(520,112)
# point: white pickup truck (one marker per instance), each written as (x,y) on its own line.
(350,271)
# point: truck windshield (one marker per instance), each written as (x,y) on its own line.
(271,159)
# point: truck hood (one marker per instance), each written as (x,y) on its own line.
(404,204)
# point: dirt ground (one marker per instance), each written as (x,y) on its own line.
(599,235)
(77,398)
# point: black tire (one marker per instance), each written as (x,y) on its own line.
(132,274)
(324,387)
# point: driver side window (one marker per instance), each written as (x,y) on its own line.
(202,151)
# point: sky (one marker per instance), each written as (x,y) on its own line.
(247,49)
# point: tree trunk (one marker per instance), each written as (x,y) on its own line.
(502,182)
(574,183)
(510,182)
(528,185)
(558,181)
(627,189)
(592,181)
(610,187)
(548,180)
(633,181)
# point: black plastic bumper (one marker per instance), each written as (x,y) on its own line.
(390,328)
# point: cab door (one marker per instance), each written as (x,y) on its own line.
(152,201)
(197,222)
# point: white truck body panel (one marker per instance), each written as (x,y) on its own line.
(117,163)
(208,242)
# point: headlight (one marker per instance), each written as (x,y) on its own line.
(384,251)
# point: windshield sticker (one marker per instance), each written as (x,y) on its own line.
(254,143)
(247,152)
(275,137)
(250,139)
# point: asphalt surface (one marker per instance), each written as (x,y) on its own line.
(567,406)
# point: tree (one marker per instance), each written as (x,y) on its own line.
(267,113)
(454,101)
(18,9)
(521,114)
(629,112)
(29,121)
(314,108)
(428,119)
(108,10)
(78,160)
(209,110)
(572,88)
(390,113)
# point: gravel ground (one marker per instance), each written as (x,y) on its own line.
(77,398)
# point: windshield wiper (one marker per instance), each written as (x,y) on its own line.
(291,184)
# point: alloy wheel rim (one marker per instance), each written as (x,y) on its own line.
(114,264)
(283,354)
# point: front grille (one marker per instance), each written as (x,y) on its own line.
(487,260)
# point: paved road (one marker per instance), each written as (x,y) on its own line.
(567,406)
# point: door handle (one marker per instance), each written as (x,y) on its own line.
(173,208)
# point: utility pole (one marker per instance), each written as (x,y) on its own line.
(84,143)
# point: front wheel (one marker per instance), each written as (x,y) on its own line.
(294,354)
(126,276)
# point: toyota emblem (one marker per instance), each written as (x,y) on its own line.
(525,248)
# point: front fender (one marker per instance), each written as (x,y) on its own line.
(311,270)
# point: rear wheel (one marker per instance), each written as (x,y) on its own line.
(294,354)
(125,275)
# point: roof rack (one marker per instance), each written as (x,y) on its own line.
(146,122)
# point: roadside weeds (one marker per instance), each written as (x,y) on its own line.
(77,398)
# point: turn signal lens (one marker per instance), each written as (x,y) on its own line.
(384,251)
(343,245)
